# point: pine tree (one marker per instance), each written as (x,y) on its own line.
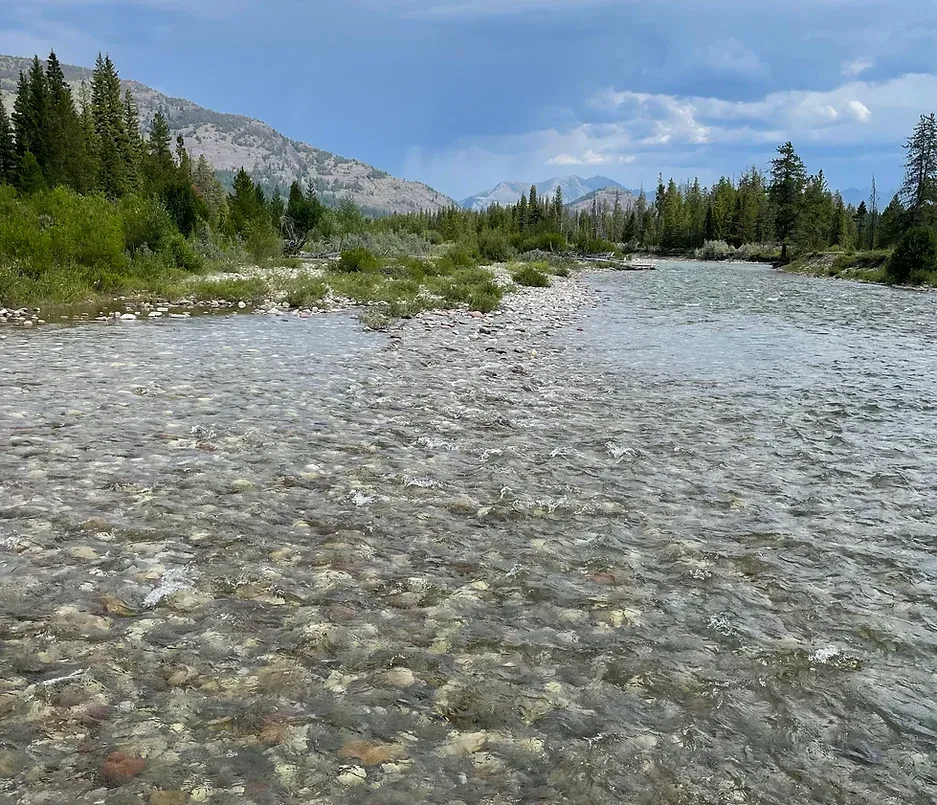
(31,123)
(87,164)
(920,184)
(160,164)
(210,192)
(893,223)
(558,209)
(107,109)
(8,159)
(136,148)
(64,132)
(671,224)
(788,181)
(815,219)
(873,216)
(242,203)
(862,222)
(618,219)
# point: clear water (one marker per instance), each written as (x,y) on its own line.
(680,549)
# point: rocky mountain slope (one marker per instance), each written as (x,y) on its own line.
(606,196)
(574,187)
(230,142)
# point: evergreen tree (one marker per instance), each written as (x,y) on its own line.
(136,148)
(107,110)
(873,216)
(618,219)
(8,159)
(892,224)
(63,135)
(88,166)
(242,203)
(788,181)
(920,184)
(210,192)
(862,222)
(671,224)
(160,165)
(277,209)
(558,209)
(31,121)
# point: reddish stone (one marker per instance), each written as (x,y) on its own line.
(119,768)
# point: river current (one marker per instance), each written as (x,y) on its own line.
(676,545)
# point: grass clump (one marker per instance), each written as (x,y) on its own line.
(305,291)
(530,277)
(250,290)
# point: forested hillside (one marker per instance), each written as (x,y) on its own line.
(230,142)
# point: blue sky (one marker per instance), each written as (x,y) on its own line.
(462,94)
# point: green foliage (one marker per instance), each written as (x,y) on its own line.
(251,290)
(356,260)
(715,250)
(305,291)
(456,256)
(145,223)
(495,246)
(530,276)
(262,242)
(598,246)
(915,257)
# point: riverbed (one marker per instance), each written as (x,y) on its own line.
(643,537)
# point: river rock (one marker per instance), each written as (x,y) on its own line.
(120,768)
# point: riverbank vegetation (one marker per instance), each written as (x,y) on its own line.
(91,205)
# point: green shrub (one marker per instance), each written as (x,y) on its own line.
(357,260)
(915,257)
(484,301)
(546,242)
(598,246)
(531,277)
(145,223)
(262,243)
(494,245)
(305,291)
(456,257)
(715,250)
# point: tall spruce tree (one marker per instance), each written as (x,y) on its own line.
(160,164)
(920,183)
(107,109)
(64,146)
(8,160)
(136,148)
(788,181)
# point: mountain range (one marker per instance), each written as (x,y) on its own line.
(574,188)
(230,142)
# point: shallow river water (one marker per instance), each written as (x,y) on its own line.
(677,545)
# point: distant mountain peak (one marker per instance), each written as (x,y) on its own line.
(505,193)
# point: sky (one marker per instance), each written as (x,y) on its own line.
(464,94)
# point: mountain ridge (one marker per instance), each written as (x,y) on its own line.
(231,141)
(574,188)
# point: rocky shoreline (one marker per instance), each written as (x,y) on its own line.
(536,302)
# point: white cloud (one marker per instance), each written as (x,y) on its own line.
(854,112)
(854,68)
(590,157)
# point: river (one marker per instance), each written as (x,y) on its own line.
(676,546)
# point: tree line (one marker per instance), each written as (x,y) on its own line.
(779,214)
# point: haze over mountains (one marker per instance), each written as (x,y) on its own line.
(230,142)
(574,188)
